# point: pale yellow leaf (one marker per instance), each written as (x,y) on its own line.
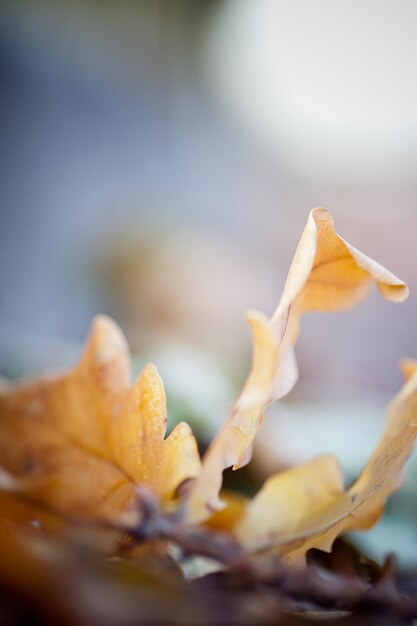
(82,442)
(327,274)
(307,507)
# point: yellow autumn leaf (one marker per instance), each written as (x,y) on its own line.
(408,367)
(326,274)
(83,441)
(307,507)
(226,519)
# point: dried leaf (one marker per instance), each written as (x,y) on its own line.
(82,442)
(408,368)
(307,507)
(226,519)
(327,274)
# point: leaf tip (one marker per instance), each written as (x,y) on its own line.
(106,341)
(397,291)
(151,376)
(408,368)
(321,212)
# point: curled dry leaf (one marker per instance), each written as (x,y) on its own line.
(82,442)
(327,274)
(307,507)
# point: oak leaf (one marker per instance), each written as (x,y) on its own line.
(326,274)
(82,442)
(307,507)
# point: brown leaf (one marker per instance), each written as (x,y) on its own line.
(307,507)
(82,442)
(327,274)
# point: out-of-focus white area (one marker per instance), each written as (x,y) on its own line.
(326,86)
(343,422)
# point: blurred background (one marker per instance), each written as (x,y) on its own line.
(158,160)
